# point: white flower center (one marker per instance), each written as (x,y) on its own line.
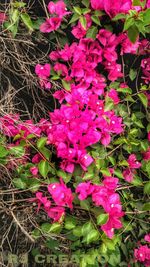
(86,157)
(113,122)
(54,186)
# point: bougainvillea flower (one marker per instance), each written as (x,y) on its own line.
(114,96)
(50,25)
(147,238)
(112,224)
(142,254)
(146,155)
(145,64)
(120,6)
(127,46)
(61,194)
(56,213)
(34,170)
(43,201)
(128,175)
(84,190)
(43,71)
(3,17)
(133,162)
(58,8)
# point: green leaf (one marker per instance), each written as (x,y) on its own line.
(14,15)
(66,85)
(3,152)
(96,20)
(105,171)
(146,206)
(43,167)
(128,23)
(146,16)
(130,99)
(87,228)
(119,16)
(143,99)
(92,32)
(27,21)
(20,183)
(136,3)
(147,188)
(13,28)
(33,184)
(86,3)
(132,75)
(78,10)
(18,4)
(66,176)
(49,228)
(125,90)
(41,142)
(70,223)
(45,152)
(52,244)
(74,18)
(133,33)
(92,236)
(118,173)
(77,231)
(83,22)
(36,233)
(17,151)
(109,104)
(102,219)
(85,204)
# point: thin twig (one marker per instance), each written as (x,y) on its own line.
(21,227)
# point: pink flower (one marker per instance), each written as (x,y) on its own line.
(120,6)
(97,5)
(84,190)
(128,175)
(56,213)
(43,201)
(114,96)
(84,160)
(36,158)
(127,46)
(50,25)
(78,31)
(58,8)
(145,64)
(148,4)
(133,163)
(34,171)
(43,71)
(142,254)
(61,194)
(3,17)
(112,224)
(146,155)
(147,238)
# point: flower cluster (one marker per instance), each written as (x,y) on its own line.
(129,172)
(120,6)
(142,254)
(62,197)
(145,64)
(11,125)
(57,12)
(104,195)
